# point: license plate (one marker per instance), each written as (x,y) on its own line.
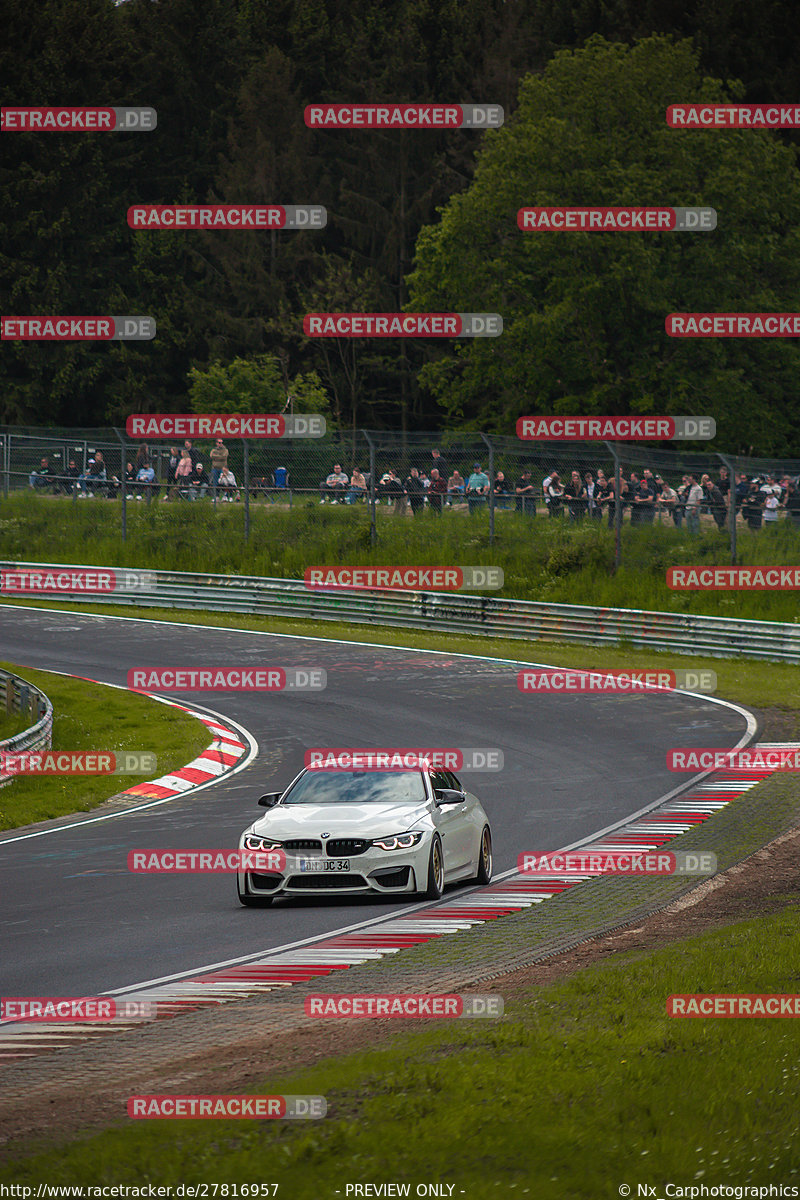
(324,864)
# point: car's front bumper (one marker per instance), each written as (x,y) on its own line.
(395,872)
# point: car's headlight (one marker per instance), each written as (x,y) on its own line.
(253,842)
(398,841)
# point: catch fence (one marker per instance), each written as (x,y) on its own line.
(386,466)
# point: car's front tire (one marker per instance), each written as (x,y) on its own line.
(252,901)
(435,885)
(484,874)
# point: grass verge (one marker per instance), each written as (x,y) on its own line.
(585,1085)
(90,716)
(544,560)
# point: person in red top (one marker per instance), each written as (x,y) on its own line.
(437,491)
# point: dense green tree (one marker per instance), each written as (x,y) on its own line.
(255,385)
(584,312)
(230,80)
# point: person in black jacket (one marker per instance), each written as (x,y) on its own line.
(415,490)
(716,501)
(753,505)
(440,464)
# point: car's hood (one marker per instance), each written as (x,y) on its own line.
(343,820)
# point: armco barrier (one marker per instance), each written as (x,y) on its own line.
(494,616)
(17,695)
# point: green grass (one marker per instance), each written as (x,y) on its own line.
(583,1086)
(13,723)
(542,559)
(89,716)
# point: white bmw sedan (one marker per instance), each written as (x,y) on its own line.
(340,832)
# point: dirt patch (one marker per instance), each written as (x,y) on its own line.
(68,1094)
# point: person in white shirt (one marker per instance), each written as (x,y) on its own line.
(694,498)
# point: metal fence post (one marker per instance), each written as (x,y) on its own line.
(246,474)
(731,504)
(490,446)
(123,486)
(617,505)
(373,528)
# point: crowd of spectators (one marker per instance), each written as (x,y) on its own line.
(184,476)
(432,484)
(591,495)
(758,500)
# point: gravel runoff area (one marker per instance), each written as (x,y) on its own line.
(58,1096)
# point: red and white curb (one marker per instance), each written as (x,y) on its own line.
(339,952)
(217,760)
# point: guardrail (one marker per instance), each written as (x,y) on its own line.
(492,616)
(19,696)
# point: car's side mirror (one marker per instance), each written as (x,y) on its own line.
(270,800)
(449,796)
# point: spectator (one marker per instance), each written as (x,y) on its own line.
(554,495)
(227,485)
(43,477)
(643,502)
(437,491)
(415,490)
(724,484)
(142,458)
(116,485)
(334,486)
(716,501)
(66,484)
(502,490)
(199,482)
(456,487)
(792,502)
(183,476)
(145,481)
(382,487)
(358,486)
(771,487)
(742,488)
(93,477)
(440,464)
(396,492)
(753,504)
(633,487)
(771,506)
(219,461)
(526,494)
(130,479)
(680,508)
(666,500)
(477,488)
(172,465)
(694,499)
(604,497)
(546,484)
(194,455)
(575,494)
(590,484)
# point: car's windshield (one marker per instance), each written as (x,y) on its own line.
(357,787)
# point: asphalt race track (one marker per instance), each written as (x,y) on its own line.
(75,921)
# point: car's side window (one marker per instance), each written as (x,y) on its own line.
(454,782)
(439,780)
